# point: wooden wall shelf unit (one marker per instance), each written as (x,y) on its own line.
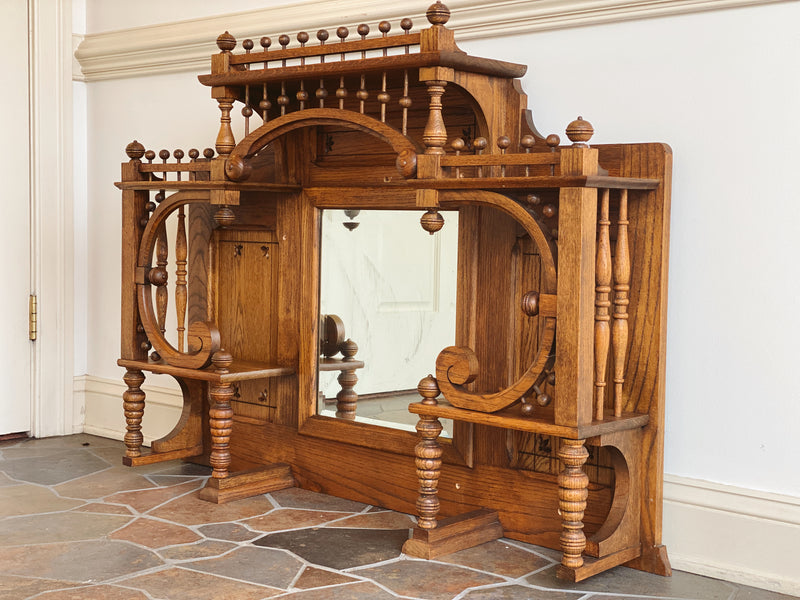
(554,378)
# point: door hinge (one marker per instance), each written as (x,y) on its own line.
(32,317)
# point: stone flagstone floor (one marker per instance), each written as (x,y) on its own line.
(76,525)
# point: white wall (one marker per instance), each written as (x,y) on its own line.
(720,87)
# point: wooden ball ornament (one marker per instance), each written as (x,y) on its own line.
(432,221)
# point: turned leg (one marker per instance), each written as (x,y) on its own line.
(133,404)
(347,398)
(573,490)
(429,466)
(221,418)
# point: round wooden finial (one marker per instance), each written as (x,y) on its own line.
(150,206)
(543,399)
(225,216)
(163,155)
(458,145)
(208,153)
(247,112)
(406,24)
(150,155)
(363,30)
(284,40)
(406,163)
(157,276)
(342,33)
(526,408)
(323,35)
(438,14)
(348,348)
(384,27)
(579,132)
(222,359)
(503,142)
(194,153)
(134,150)
(428,388)
(265,42)
(432,221)
(527,142)
(480,144)
(303,37)
(548,211)
(247,45)
(530,303)
(159,197)
(533,199)
(178,154)
(226,42)
(553,141)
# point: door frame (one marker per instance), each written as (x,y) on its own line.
(54,408)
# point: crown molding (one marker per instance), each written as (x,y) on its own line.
(187,45)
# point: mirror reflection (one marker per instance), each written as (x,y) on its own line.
(387,308)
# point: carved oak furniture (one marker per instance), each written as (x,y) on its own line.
(555,382)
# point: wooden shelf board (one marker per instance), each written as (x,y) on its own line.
(337,364)
(206,185)
(509,418)
(240,370)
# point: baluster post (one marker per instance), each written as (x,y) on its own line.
(602,305)
(622,278)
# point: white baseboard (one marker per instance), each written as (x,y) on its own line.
(721,531)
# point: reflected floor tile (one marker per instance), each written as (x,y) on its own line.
(622,580)
(58,527)
(423,579)
(339,548)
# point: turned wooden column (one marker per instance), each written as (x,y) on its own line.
(428,454)
(573,490)
(133,405)
(221,417)
(347,398)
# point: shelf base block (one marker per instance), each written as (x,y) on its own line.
(157,457)
(593,566)
(454,534)
(248,483)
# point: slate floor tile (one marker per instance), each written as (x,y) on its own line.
(339,548)
(190,510)
(14,588)
(263,566)
(82,562)
(228,531)
(497,557)
(521,592)
(182,584)
(312,577)
(299,498)
(144,500)
(352,591)
(630,581)
(56,467)
(95,592)
(424,579)
(155,534)
(98,485)
(377,520)
(26,499)
(288,518)
(204,549)
(58,527)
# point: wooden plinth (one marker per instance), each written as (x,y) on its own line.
(248,483)
(593,566)
(454,534)
(157,457)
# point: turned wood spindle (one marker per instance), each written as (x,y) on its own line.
(479,144)
(527,142)
(302,94)
(458,145)
(221,417)
(602,305)
(181,252)
(178,154)
(435,134)
(133,405)
(503,142)
(264,105)
(573,490)
(159,277)
(341,91)
(552,142)
(362,94)
(428,457)
(322,93)
(622,279)
(347,398)
(405,101)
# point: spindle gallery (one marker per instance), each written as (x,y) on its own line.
(542,417)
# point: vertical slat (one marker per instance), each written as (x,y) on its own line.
(622,278)
(162,295)
(602,305)
(181,250)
